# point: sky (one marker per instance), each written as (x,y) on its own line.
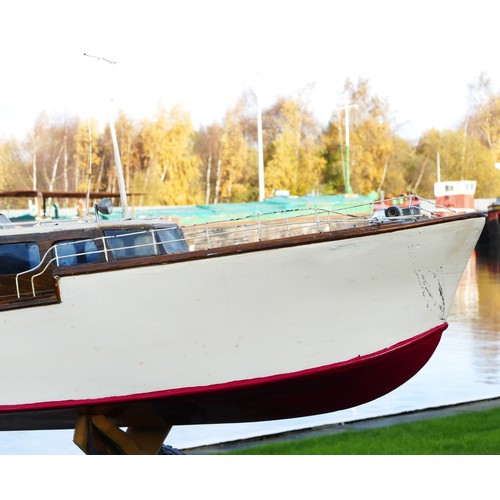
(419,56)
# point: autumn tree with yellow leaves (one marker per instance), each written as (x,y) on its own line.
(293,152)
(127,136)
(167,162)
(235,179)
(461,157)
(228,154)
(13,171)
(208,148)
(87,157)
(373,162)
(170,168)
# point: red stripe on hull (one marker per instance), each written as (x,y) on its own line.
(309,392)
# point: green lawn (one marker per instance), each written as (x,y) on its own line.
(474,433)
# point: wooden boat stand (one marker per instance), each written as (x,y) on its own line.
(99,435)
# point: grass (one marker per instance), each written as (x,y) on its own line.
(474,433)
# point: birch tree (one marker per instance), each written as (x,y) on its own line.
(50,146)
(208,147)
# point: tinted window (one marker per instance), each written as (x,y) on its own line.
(74,252)
(171,240)
(18,257)
(130,244)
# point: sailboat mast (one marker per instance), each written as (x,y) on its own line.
(116,151)
(119,168)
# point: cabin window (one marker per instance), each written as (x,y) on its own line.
(18,257)
(75,252)
(171,240)
(130,244)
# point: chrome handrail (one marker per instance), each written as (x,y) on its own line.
(105,250)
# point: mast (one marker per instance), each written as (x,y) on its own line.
(119,168)
(116,151)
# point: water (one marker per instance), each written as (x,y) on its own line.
(465,367)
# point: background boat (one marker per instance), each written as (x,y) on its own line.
(490,236)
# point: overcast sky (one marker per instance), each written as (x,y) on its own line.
(420,56)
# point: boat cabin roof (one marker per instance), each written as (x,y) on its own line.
(32,254)
(84,241)
(58,226)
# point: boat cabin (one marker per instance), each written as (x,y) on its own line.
(32,256)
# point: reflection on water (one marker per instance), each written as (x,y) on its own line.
(465,367)
(476,309)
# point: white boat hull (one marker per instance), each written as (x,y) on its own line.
(237,320)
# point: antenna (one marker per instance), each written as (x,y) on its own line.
(116,151)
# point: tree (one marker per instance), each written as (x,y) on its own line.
(333,181)
(398,168)
(14,167)
(237,167)
(127,136)
(208,148)
(461,157)
(51,143)
(293,150)
(87,156)
(170,166)
(373,162)
(483,119)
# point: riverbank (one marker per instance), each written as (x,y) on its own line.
(327,430)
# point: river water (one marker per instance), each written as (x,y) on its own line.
(465,367)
